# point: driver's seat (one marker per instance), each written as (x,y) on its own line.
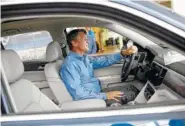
(54,57)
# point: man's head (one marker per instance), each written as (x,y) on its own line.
(77,40)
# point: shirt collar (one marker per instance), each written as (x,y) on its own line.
(76,55)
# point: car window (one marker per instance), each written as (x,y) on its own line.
(102,41)
(29,46)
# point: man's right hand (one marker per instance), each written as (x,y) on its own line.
(129,51)
(114,95)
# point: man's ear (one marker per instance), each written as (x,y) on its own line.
(74,44)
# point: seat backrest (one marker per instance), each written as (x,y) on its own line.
(52,73)
(27,97)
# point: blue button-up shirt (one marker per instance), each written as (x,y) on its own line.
(78,75)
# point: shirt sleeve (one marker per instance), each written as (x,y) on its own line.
(105,61)
(71,78)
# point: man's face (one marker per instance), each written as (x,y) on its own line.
(81,42)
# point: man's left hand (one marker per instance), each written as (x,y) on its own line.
(129,51)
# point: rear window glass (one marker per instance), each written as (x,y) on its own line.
(29,46)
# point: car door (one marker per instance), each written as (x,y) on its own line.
(126,114)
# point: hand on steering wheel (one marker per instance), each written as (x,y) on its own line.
(131,50)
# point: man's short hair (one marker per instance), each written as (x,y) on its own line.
(72,36)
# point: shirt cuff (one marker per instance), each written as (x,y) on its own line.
(118,56)
(103,96)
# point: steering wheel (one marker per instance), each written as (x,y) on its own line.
(127,66)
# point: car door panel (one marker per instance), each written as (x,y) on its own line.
(109,75)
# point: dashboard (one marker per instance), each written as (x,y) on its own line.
(155,89)
(162,82)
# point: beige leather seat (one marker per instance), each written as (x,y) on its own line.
(27,97)
(54,56)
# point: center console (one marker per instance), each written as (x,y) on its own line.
(130,93)
(155,78)
(154,89)
(156,74)
(146,93)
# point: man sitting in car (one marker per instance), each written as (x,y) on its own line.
(77,71)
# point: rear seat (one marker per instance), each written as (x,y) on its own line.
(27,97)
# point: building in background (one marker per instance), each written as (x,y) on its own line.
(167,3)
(176,5)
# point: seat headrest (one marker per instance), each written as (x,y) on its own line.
(12,64)
(53,52)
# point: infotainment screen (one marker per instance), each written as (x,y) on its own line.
(156,74)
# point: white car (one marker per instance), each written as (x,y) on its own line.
(153,79)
